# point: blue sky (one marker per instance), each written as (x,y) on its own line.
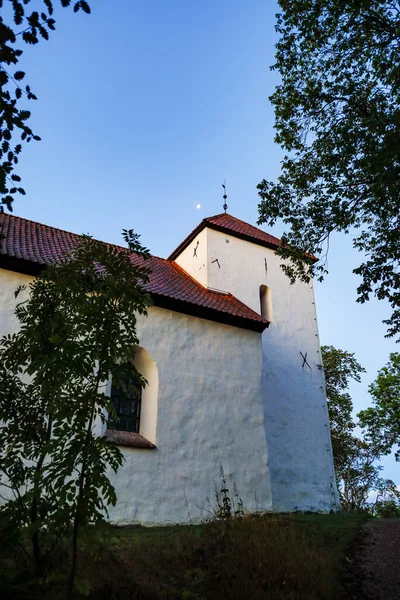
(144,108)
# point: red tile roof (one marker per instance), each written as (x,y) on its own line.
(29,246)
(233,226)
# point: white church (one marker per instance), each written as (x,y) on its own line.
(231,353)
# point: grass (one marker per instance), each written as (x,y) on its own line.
(255,557)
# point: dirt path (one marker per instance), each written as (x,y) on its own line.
(374,573)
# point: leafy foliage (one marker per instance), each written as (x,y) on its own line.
(382,420)
(227,505)
(356,459)
(337,116)
(340,368)
(387,509)
(77,330)
(359,477)
(387,501)
(32,26)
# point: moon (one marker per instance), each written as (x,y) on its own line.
(198,206)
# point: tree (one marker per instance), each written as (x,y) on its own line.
(337,116)
(360,479)
(382,420)
(387,509)
(356,459)
(77,330)
(340,368)
(13,94)
(358,476)
(387,501)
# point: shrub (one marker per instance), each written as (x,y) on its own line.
(387,509)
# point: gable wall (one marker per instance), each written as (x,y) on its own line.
(236,266)
(193,259)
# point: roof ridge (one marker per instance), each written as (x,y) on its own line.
(41,224)
(220,222)
(245,222)
(218,215)
(78,235)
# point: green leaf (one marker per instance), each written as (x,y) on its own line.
(24,115)
(83,586)
(85,7)
(336,119)
(50,386)
(49,6)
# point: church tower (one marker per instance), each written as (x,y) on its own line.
(228,255)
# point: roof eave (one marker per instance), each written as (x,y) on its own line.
(210,314)
(19,265)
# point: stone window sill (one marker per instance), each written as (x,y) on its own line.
(128,438)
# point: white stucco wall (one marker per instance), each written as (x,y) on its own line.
(147,367)
(194,258)
(9,283)
(237,267)
(210,412)
(203,408)
(296,417)
(296,414)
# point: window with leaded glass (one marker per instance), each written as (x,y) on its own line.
(127,402)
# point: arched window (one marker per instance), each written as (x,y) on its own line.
(266,303)
(136,405)
(127,399)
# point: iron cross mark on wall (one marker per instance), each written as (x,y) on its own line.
(195,248)
(304,357)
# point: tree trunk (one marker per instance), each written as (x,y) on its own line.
(35,539)
(77,519)
(36,549)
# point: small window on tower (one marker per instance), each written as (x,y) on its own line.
(266,303)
